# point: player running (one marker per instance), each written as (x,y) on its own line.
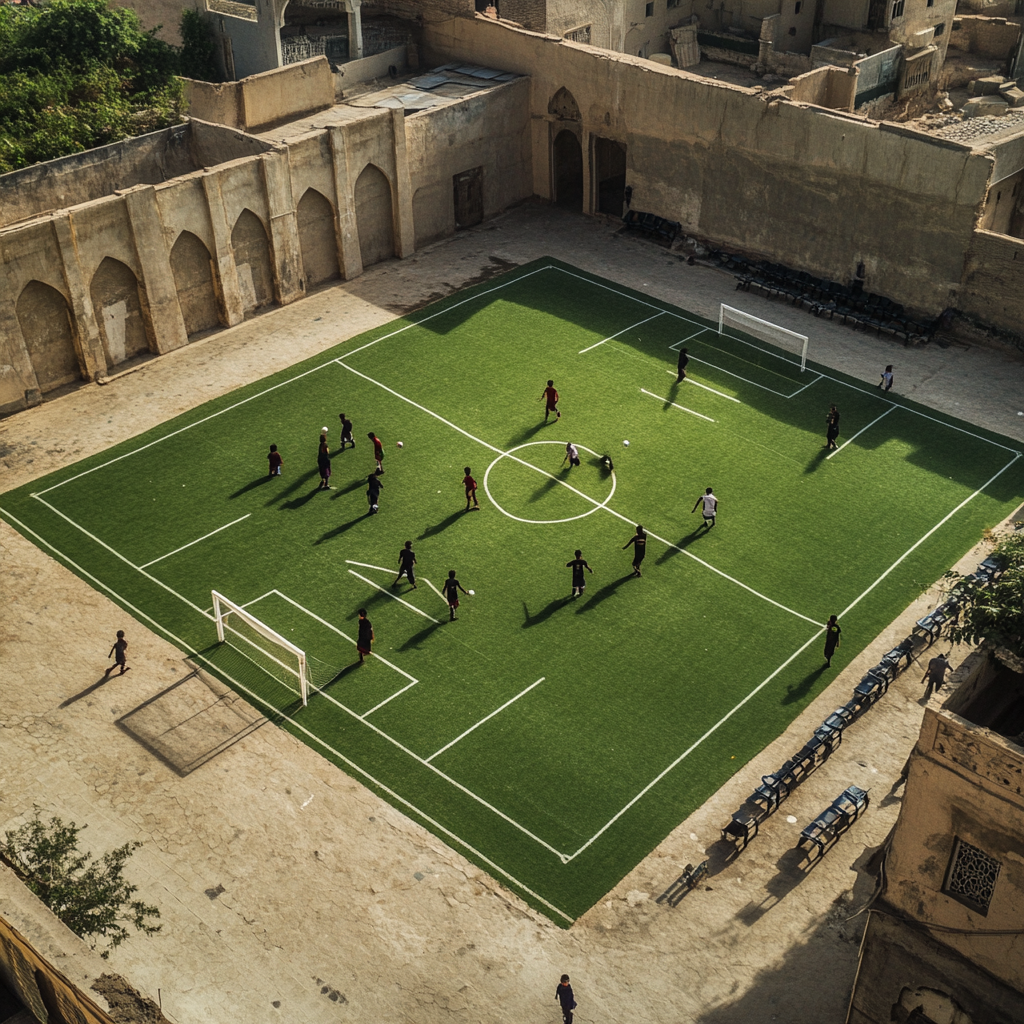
(470,484)
(578,564)
(710,507)
(639,542)
(451,591)
(406,560)
(550,398)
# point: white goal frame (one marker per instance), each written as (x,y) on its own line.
(223,607)
(756,321)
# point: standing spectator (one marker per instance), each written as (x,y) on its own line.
(275,460)
(572,454)
(565,998)
(378,450)
(578,564)
(832,632)
(935,674)
(323,462)
(639,542)
(346,431)
(683,360)
(470,484)
(451,591)
(550,398)
(832,428)
(373,487)
(406,560)
(886,382)
(710,507)
(365,638)
(120,654)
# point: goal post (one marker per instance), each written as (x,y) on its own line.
(278,650)
(729,316)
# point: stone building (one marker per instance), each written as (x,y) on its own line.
(944,937)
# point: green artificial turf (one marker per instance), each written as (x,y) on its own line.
(553,741)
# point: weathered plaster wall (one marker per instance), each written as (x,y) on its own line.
(830,87)
(814,190)
(986,37)
(993,288)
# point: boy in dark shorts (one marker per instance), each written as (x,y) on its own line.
(323,463)
(120,654)
(406,560)
(346,431)
(550,398)
(373,486)
(378,450)
(365,638)
(639,542)
(470,484)
(710,509)
(275,460)
(684,358)
(578,564)
(572,454)
(565,999)
(451,591)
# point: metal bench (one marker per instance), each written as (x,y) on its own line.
(828,826)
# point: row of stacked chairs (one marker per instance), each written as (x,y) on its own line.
(821,296)
(652,224)
(874,684)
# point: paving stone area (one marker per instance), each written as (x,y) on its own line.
(288,892)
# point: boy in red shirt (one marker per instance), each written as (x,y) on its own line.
(378,450)
(550,397)
(470,485)
(275,460)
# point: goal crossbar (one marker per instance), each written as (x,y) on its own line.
(743,319)
(223,606)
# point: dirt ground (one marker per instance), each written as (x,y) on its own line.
(289,892)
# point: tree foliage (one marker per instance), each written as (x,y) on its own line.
(198,57)
(993,611)
(77,74)
(90,896)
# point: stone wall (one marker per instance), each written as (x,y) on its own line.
(830,87)
(995,38)
(367,69)
(993,286)
(530,14)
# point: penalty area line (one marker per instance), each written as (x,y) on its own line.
(394,597)
(676,406)
(632,327)
(861,431)
(366,565)
(697,383)
(196,541)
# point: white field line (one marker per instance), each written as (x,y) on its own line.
(806,386)
(845,612)
(267,654)
(690,380)
(196,541)
(941,522)
(366,565)
(676,406)
(332,627)
(256,600)
(387,700)
(676,345)
(394,597)
(434,589)
(117,554)
(722,369)
(586,497)
(187,648)
(693,746)
(623,331)
(486,719)
(290,380)
(861,431)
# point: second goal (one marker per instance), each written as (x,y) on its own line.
(747,323)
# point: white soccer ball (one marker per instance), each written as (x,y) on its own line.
(400,445)
(472,592)
(625,444)
(324,430)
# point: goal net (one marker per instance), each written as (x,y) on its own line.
(788,341)
(257,642)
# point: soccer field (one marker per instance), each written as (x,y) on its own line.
(552,741)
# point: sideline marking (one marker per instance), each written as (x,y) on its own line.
(366,565)
(623,331)
(394,597)
(195,655)
(586,497)
(434,589)
(544,522)
(675,406)
(482,720)
(191,542)
(861,431)
(690,380)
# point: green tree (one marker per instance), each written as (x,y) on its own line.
(198,58)
(90,896)
(993,611)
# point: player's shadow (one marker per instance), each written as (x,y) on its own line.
(795,694)
(299,502)
(339,530)
(544,489)
(422,636)
(545,613)
(294,486)
(432,531)
(89,689)
(354,486)
(251,486)
(340,675)
(604,593)
(524,435)
(683,542)
(818,461)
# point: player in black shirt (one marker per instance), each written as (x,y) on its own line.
(578,564)
(639,542)
(366,637)
(406,560)
(373,486)
(683,360)
(451,591)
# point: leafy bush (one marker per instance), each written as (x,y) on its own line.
(90,896)
(198,57)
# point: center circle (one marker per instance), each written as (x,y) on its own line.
(545,522)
